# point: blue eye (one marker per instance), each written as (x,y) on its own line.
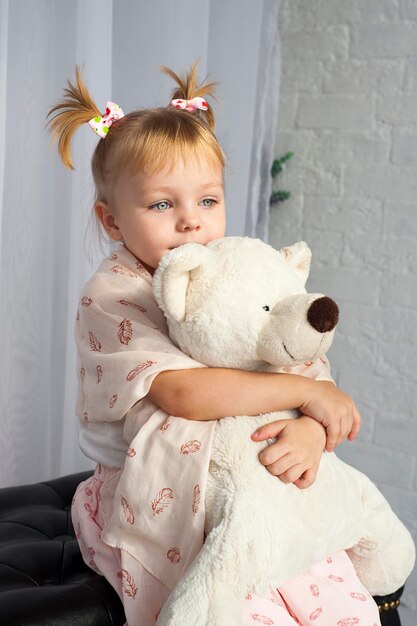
(160,206)
(210,200)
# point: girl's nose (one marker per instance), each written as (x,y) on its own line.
(187,221)
(190,225)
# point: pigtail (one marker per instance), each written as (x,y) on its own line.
(72,112)
(189,88)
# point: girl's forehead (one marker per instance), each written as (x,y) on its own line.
(187,172)
(192,166)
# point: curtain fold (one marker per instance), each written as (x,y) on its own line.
(4,19)
(265,124)
(44,209)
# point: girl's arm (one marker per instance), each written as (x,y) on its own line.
(213,393)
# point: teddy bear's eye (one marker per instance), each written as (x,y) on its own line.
(266,308)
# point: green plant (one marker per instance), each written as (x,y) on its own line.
(279,195)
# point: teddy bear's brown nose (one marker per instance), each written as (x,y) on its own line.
(323,314)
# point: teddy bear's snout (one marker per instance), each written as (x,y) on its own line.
(323,314)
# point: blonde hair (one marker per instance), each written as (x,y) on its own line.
(147,139)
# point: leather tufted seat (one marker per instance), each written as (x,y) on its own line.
(43,579)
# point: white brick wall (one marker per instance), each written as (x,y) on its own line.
(349,112)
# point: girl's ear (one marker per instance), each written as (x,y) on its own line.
(299,257)
(106,219)
(173,275)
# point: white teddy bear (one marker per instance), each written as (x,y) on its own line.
(239,303)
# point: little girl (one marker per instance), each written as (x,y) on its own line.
(159,184)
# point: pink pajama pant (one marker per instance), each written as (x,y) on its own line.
(328,593)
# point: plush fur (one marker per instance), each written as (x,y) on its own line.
(239,303)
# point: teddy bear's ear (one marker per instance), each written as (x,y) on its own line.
(299,257)
(172,277)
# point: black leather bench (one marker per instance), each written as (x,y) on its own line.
(43,579)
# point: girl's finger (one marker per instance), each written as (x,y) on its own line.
(273,454)
(355,427)
(344,430)
(306,479)
(332,437)
(267,431)
(281,465)
(353,433)
(291,475)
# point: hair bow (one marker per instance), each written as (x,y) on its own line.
(101,124)
(190,105)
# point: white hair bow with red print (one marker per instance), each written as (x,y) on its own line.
(190,105)
(101,124)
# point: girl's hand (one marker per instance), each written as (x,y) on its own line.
(295,456)
(335,410)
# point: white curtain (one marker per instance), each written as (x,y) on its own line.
(265,123)
(44,209)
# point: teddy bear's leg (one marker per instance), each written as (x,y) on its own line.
(202,597)
(189,602)
(384,557)
(211,592)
